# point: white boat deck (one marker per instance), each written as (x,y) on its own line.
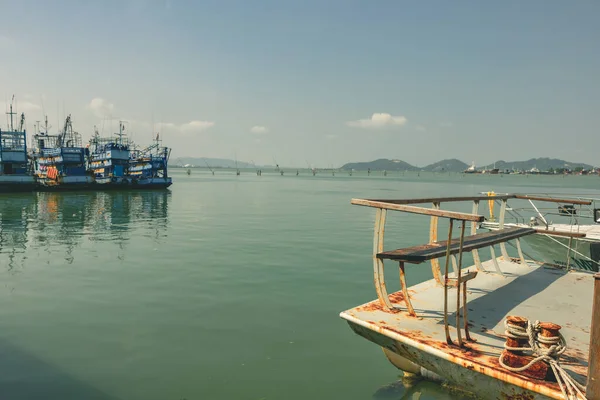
(533,291)
(592,232)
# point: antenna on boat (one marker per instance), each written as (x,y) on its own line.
(46,126)
(121,129)
(22,122)
(11,113)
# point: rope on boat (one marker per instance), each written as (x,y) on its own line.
(570,388)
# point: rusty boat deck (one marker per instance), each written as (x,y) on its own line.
(534,291)
(426,329)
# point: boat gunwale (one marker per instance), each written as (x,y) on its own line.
(456,356)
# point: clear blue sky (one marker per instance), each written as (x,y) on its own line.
(301,80)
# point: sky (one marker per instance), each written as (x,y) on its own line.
(317,82)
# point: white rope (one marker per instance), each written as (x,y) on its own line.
(570,388)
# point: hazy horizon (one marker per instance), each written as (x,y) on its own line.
(317,82)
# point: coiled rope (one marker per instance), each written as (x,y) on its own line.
(570,388)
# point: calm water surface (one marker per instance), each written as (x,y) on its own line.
(224,287)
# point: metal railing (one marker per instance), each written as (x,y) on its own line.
(407,205)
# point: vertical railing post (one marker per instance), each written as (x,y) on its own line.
(458,282)
(593,384)
(520,250)
(449,244)
(433,237)
(501,226)
(569,252)
(378,271)
(473,232)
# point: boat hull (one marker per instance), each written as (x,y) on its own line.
(66,183)
(472,380)
(555,250)
(17,183)
(151,183)
(89,183)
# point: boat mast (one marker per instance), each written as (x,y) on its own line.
(121,129)
(11,113)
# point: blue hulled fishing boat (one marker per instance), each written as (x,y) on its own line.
(148,167)
(60,160)
(109,159)
(15,169)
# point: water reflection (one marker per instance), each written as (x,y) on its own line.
(409,389)
(14,215)
(61,222)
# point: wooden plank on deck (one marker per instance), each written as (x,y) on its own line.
(419,254)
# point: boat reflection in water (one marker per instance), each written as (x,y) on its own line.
(415,389)
(57,223)
(15,212)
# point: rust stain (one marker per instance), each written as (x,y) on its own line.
(517,396)
(538,370)
(397,297)
(475,357)
(376,306)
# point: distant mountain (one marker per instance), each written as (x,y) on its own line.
(543,164)
(383,164)
(212,162)
(452,165)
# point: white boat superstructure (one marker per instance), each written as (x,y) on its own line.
(569,230)
(472,169)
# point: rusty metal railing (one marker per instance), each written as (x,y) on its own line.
(475,242)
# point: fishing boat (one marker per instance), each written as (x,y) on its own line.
(15,169)
(471,170)
(494,171)
(60,160)
(109,159)
(570,239)
(508,327)
(148,167)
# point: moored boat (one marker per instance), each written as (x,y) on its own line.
(109,159)
(471,170)
(570,239)
(479,328)
(148,167)
(15,169)
(60,160)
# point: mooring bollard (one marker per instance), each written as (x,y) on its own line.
(516,342)
(549,330)
(516,337)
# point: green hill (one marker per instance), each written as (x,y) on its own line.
(454,165)
(383,164)
(451,165)
(543,164)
